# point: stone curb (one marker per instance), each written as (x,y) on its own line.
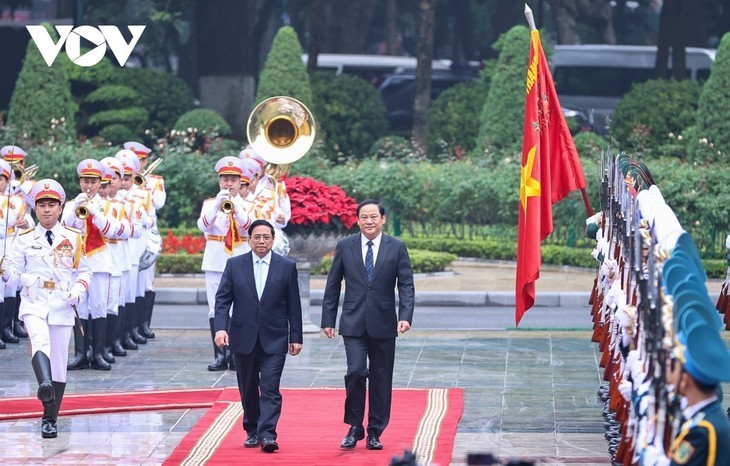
(565,299)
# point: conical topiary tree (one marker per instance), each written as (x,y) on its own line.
(502,117)
(713,112)
(42,93)
(284,72)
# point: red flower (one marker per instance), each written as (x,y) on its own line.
(317,207)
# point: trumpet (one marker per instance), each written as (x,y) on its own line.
(227,205)
(82,211)
(140,179)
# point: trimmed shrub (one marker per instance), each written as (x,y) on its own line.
(502,117)
(206,121)
(163,95)
(117,134)
(41,94)
(350,114)
(179,263)
(134,118)
(713,112)
(652,110)
(393,148)
(452,131)
(421,261)
(112,96)
(85,79)
(284,72)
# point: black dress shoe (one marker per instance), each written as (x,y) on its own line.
(353,435)
(252,441)
(373,443)
(48,428)
(269,445)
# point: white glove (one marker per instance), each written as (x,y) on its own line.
(625,389)
(5,268)
(75,294)
(654,456)
(222,195)
(81,199)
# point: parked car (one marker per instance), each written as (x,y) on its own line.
(399,93)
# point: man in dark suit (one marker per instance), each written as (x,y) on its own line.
(265,322)
(372,264)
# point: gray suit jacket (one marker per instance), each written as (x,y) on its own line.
(369,307)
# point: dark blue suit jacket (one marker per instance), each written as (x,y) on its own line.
(371,306)
(276,320)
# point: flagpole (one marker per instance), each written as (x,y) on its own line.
(531,22)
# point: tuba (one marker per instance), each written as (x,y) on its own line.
(281,129)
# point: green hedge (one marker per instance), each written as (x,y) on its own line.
(179,263)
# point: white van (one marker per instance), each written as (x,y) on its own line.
(372,68)
(594,78)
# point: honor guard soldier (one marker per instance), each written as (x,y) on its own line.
(140,208)
(9,209)
(156,186)
(700,362)
(86,213)
(12,327)
(224,221)
(120,250)
(49,263)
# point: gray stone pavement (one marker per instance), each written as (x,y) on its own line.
(527,393)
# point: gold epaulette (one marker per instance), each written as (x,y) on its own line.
(27,230)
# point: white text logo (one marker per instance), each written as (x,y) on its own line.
(100,37)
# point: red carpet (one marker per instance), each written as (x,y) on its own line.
(97,403)
(311,427)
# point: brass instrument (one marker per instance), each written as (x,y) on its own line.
(140,179)
(282,130)
(82,211)
(227,205)
(22,174)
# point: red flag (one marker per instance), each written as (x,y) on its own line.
(550,170)
(232,237)
(93,239)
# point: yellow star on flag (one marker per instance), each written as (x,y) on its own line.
(529,186)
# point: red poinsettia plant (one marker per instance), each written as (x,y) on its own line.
(318,208)
(184,244)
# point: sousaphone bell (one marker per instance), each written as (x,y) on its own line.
(281,130)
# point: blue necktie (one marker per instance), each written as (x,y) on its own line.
(369,264)
(259,277)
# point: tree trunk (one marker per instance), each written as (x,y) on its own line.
(462,31)
(565,12)
(671,36)
(390,27)
(226,59)
(423,73)
(349,25)
(315,26)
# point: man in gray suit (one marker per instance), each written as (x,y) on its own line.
(265,323)
(372,264)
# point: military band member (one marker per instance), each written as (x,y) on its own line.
(156,186)
(12,327)
(54,274)
(86,213)
(120,250)
(9,209)
(225,233)
(269,194)
(140,208)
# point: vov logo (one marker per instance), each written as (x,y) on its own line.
(71,37)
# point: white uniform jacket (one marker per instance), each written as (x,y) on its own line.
(47,272)
(214,224)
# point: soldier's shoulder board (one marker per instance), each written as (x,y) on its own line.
(26,231)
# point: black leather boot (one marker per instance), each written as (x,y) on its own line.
(127,342)
(7,333)
(80,360)
(107,353)
(42,369)
(97,359)
(137,318)
(50,411)
(144,326)
(219,364)
(114,323)
(18,325)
